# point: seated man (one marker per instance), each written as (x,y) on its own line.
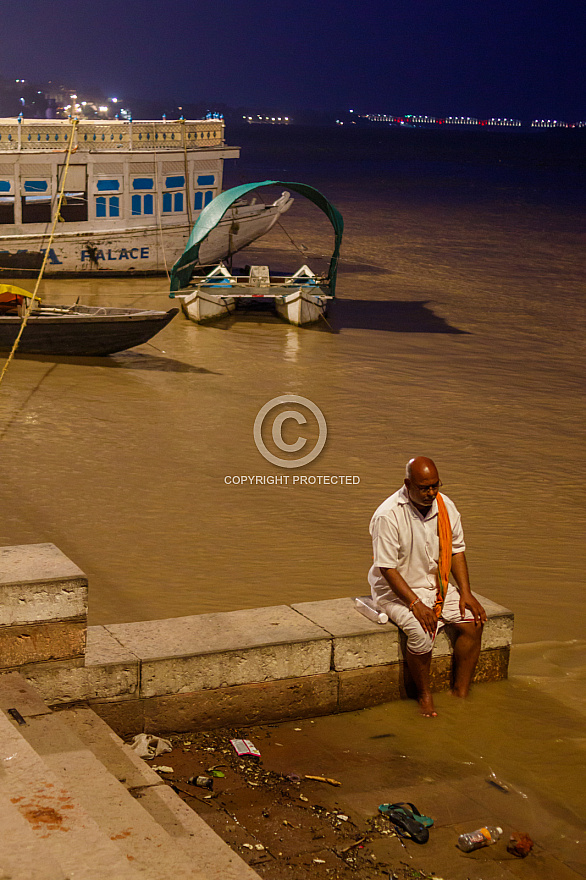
(417,543)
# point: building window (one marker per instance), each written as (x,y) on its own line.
(142,183)
(7,210)
(174,182)
(141,204)
(35,209)
(201,199)
(74,207)
(108,206)
(205,180)
(172,203)
(36,186)
(107,185)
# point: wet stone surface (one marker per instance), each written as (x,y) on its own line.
(279,821)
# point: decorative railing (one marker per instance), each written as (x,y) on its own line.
(54,135)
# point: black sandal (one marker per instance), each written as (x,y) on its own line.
(405,823)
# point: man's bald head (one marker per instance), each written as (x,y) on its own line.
(422,482)
(421,468)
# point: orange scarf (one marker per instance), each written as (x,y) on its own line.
(444,530)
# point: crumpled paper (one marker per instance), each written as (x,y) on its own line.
(148,746)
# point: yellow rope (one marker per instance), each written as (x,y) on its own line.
(31,304)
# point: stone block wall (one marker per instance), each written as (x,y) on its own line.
(208,670)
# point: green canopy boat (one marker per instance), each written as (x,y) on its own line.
(300,298)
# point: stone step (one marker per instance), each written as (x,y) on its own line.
(208,853)
(97,777)
(50,827)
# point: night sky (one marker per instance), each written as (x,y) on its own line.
(469,57)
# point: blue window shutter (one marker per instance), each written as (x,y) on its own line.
(209,197)
(114,206)
(142,183)
(198,201)
(36,186)
(101,206)
(205,180)
(178,207)
(106,185)
(136,205)
(174,182)
(167,202)
(148,203)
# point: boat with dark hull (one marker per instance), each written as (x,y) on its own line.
(78,330)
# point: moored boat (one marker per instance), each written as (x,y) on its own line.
(299,298)
(82,331)
(132,192)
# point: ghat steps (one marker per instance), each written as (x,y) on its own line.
(76,802)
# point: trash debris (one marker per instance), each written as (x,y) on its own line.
(258,846)
(243,747)
(248,845)
(147,746)
(163,769)
(481,837)
(352,845)
(520,844)
(323,779)
(319,861)
(17,716)
(368,609)
(303,798)
(202,782)
(494,780)
(341,817)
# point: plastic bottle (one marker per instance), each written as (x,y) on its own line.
(370,612)
(481,837)
(202,782)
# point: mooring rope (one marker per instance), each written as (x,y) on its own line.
(31,303)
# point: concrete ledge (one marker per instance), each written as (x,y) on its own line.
(37,583)
(186,654)
(38,642)
(109,671)
(244,667)
(358,642)
(245,704)
(208,670)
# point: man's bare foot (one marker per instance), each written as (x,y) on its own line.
(426,706)
(460,692)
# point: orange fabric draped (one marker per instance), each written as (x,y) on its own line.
(444,530)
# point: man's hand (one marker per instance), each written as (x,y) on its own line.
(467,600)
(425,616)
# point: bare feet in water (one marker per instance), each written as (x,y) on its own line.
(426,706)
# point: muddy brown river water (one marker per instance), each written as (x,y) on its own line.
(458,334)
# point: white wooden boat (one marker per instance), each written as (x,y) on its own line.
(300,298)
(132,193)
